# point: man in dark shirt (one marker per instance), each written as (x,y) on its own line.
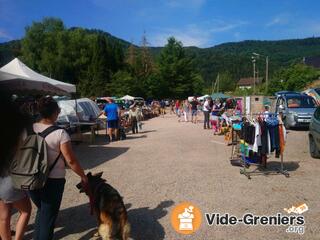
(194,110)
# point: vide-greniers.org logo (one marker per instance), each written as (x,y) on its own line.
(186,219)
(295,223)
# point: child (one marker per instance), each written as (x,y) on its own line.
(214,119)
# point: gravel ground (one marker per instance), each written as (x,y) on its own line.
(170,162)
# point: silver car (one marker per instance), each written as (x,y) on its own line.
(314,134)
(297,109)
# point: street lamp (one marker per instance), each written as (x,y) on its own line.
(254,73)
(257,55)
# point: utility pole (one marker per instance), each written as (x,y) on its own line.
(267,72)
(254,75)
(218,79)
(257,55)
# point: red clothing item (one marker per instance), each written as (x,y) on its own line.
(281,137)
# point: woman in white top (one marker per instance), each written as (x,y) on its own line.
(48,198)
(206,111)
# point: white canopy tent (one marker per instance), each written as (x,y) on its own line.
(14,82)
(127,97)
(17,72)
(83,109)
(202,98)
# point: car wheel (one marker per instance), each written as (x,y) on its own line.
(314,152)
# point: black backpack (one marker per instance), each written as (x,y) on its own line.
(30,169)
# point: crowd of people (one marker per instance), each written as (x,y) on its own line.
(121,117)
(216,113)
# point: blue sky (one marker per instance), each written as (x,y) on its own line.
(201,23)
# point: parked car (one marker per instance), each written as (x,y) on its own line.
(315,93)
(297,109)
(314,134)
(281,93)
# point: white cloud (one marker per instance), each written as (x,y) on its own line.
(223,26)
(191,37)
(193,34)
(5,35)
(281,19)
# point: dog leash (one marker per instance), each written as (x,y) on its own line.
(92,199)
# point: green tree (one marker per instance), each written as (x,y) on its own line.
(226,82)
(176,70)
(98,75)
(122,83)
(293,78)
(39,42)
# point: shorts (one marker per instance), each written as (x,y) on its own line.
(8,194)
(214,118)
(113,124)
(194,112)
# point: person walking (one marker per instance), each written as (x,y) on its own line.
(139,116)
(112,113)
(48,198)
(172,105)
(194,110)
(186,107)
(162,108)
(133,118)
(206,112)
(10,198)
(177,108)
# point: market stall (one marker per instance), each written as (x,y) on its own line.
(255,139)
(17,76)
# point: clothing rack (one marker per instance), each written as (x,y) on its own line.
(259,171)
(236,154)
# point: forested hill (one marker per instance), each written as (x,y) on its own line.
(12,49)
(233,59)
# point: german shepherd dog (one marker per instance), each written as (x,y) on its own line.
(109,208)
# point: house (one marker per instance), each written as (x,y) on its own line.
(312,61)
(247,83)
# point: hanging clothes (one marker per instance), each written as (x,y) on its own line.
(257,140)
(248,133)
(282,136)
(273,129)
(265,138)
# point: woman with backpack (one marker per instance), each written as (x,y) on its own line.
(59,150)
(11,130)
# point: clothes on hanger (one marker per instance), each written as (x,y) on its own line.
(261,137)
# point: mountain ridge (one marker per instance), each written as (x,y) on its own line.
(231,57)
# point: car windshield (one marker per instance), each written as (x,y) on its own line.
(301,102)
(317,90)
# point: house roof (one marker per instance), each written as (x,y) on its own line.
(312,61)
(248,81)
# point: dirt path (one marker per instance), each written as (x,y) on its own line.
(170,162)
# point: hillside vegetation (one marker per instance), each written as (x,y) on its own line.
(101,64)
